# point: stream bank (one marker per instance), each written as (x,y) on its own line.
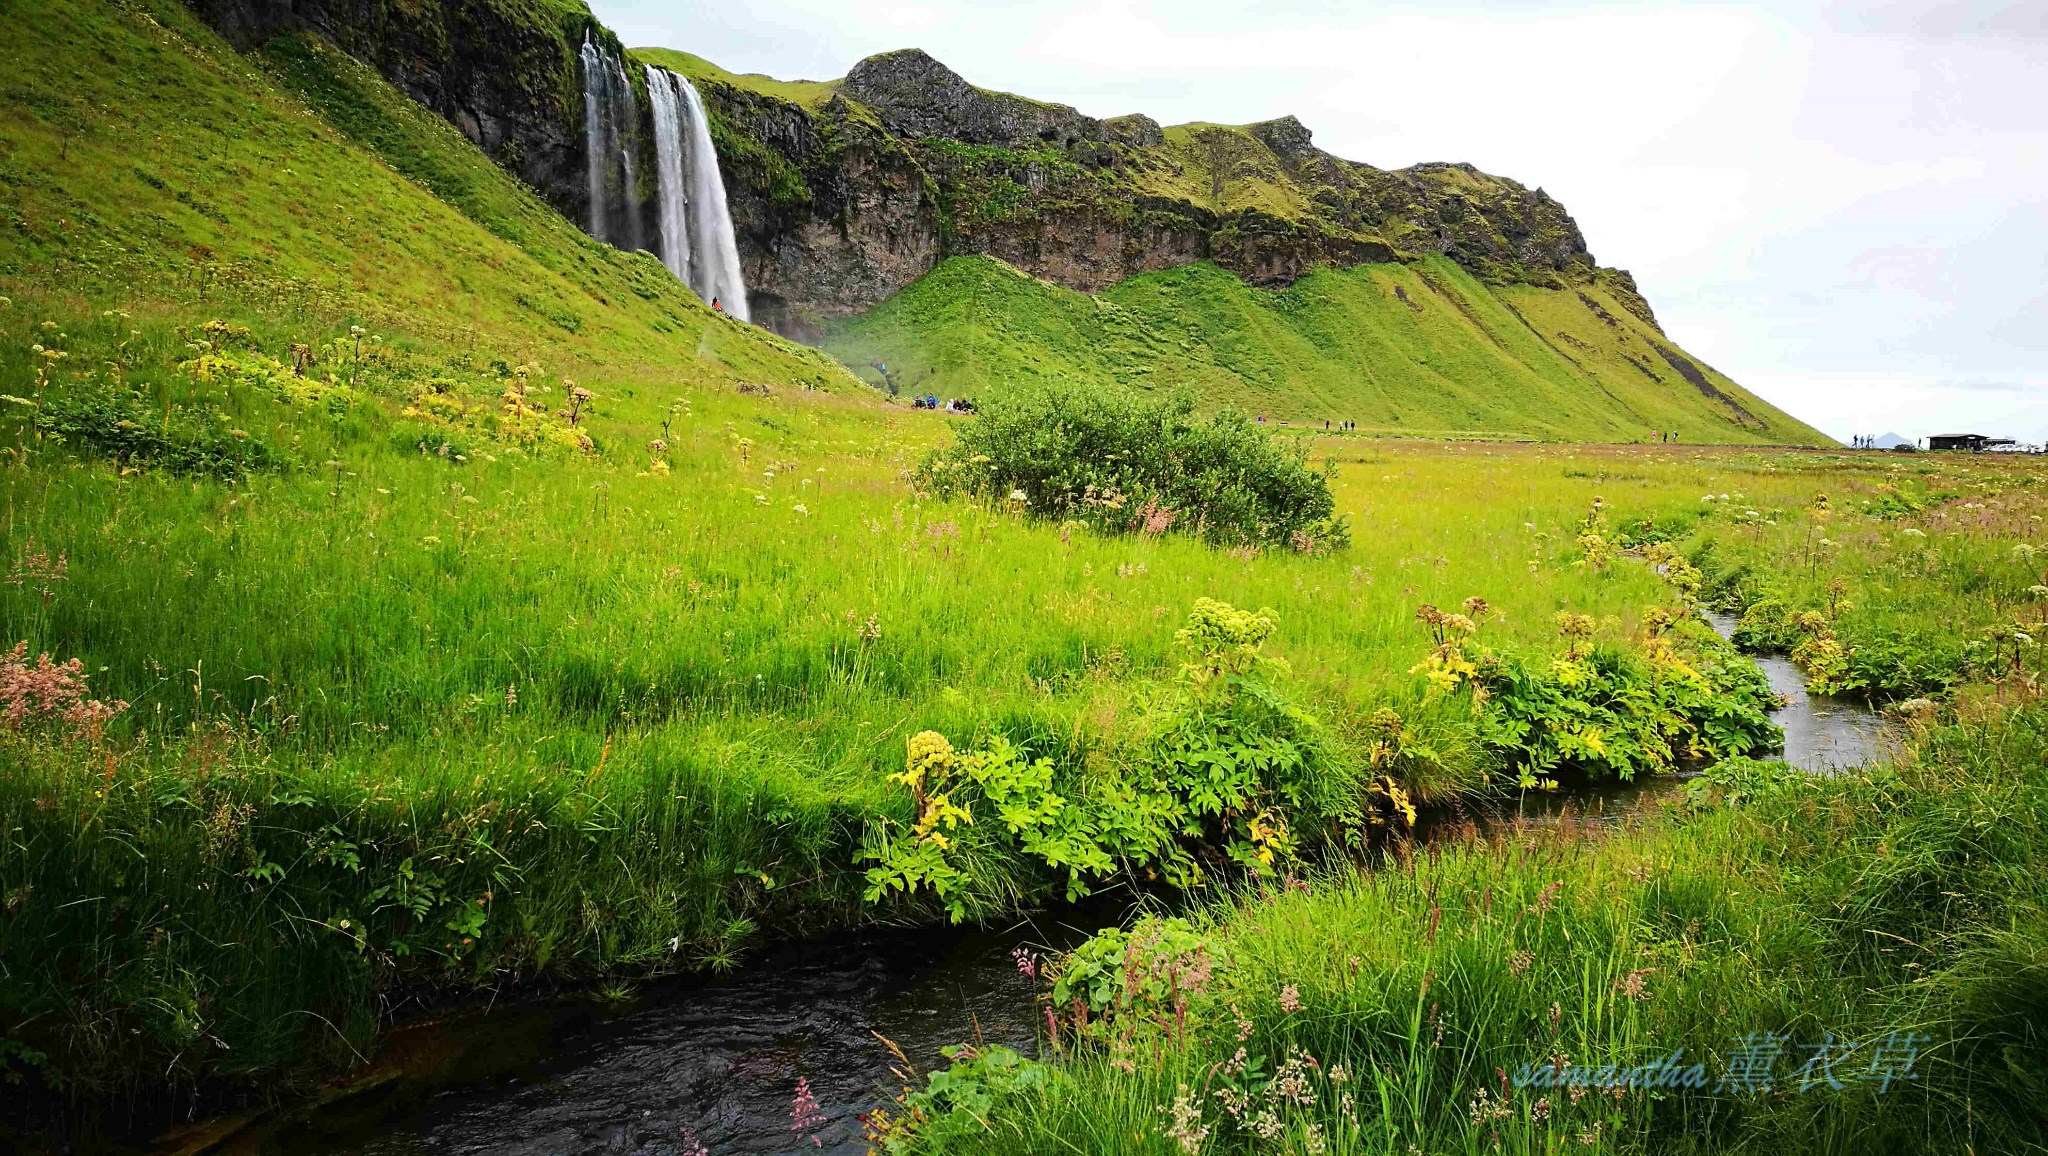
(716,1062)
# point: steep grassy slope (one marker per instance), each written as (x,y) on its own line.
(1412,349)
(142,159)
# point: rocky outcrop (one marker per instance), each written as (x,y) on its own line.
(916,97)
(840,202)
(1135,130)
(1289,139)
(833,212)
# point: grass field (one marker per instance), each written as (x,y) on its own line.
(401,716)
(481,610)
(1797,937)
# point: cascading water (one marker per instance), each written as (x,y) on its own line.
(705,236)
(625,118)
(668,172)
(696,238)
(609,117)
(597,149)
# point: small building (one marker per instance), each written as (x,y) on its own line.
(1974,443)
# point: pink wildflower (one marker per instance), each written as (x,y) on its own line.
(50,692)
(803,1111)
(1632,985)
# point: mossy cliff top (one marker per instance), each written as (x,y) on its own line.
(1085,202)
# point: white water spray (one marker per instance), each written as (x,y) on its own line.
(596,131)
(610,120)
(714,251)
(668,172)
(696,238)
(625,122)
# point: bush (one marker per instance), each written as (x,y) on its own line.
(1225,770)
(1604,710)
(187,442)
(1124,463)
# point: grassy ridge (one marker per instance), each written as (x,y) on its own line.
(1421,349)
(810,94)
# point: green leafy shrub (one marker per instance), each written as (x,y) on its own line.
(1160,971)
(1127,464)
(1903,500)
(1631,532)
(265,375)
(184,441)
(1882,664)
(1741,780)
(1224,769)
(954,1105)
(1605,710)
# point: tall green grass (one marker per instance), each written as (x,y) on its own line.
(670,681)
(1862,906)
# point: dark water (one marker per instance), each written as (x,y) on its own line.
(718,1062)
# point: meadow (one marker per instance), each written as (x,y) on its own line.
(429,690)
(440,607)
(1854,962)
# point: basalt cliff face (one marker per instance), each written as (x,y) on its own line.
(844,192)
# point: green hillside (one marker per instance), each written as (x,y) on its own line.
(1421,349)
(143,160)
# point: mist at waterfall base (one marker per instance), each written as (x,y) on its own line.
(696,240)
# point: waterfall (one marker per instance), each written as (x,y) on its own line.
(626,122)
(668,172)
(596,130)
(696,238)
(715,270)
(697,241)
(609,122)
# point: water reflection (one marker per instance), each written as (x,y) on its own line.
(718,1061)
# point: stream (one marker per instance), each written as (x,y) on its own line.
(717,1060)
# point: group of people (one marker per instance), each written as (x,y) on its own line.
(1667,438)
(953,404)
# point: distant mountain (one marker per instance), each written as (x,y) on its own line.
(1892,441)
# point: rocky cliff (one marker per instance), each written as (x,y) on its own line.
(844,192)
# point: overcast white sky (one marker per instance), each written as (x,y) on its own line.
(1842,206)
